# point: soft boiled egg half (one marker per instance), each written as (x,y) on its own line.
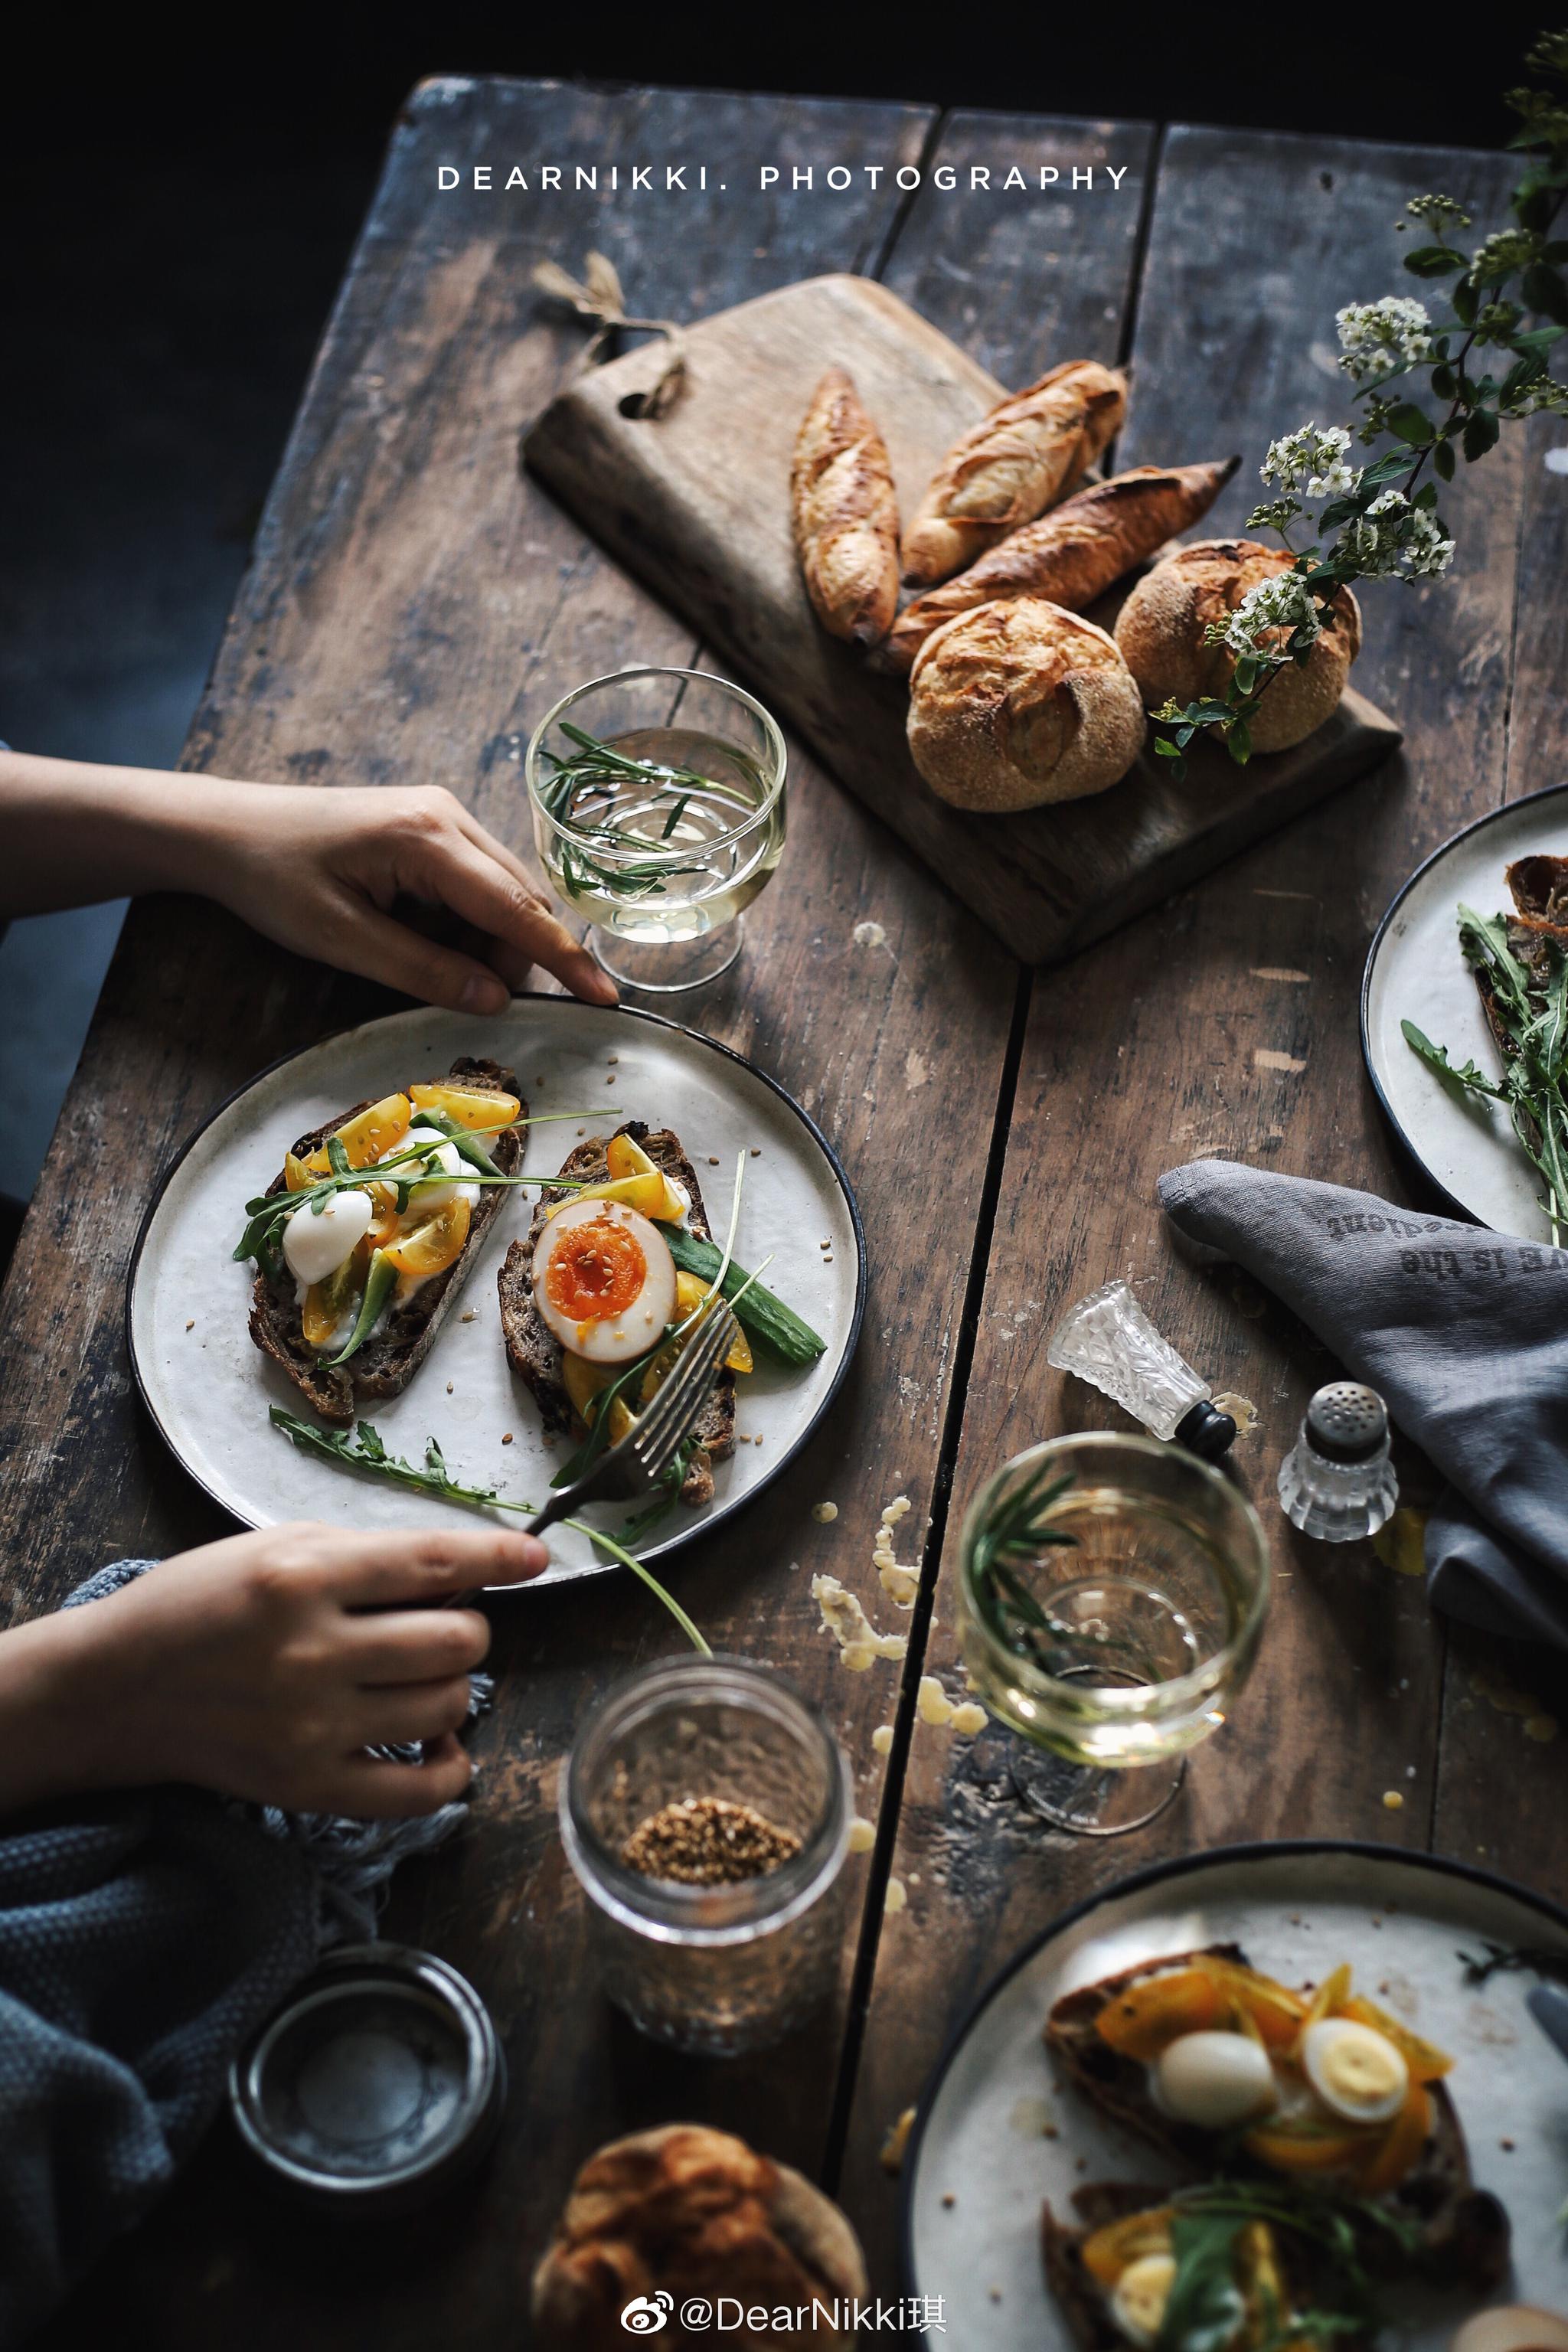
(1215,2079)
(603,1281)
(1356,2072)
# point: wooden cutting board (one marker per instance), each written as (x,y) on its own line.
(696,503)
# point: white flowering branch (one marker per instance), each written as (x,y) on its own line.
(1380,520)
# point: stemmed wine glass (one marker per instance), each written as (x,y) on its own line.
(1112,1593)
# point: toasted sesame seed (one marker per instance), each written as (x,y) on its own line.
(756,1150)
(448,1388)
(192,1324)
(506,1439)
(712,1159)
(470,1315)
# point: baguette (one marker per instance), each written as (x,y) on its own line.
(845,514)
(1071,555)
(1012,466)
(534,1352)
(1463,2231)
(392,1355)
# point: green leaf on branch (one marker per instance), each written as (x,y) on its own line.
(1247,673)
(1411,424)
(1238,741)
(1467,301)
(1481,431)
(1543,290)
(1433,261)
(1443,460)
(1390,464)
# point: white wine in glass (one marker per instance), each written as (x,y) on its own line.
(1113,1594)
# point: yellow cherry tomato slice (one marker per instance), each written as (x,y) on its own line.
(626,1158)
(1107,2253)
(643,1193)
(1142,2021)
(297,1176)
(367,1136)
(469,1106)
(690,1290)
(434,1244)
(583,1382)
(1275,2012)
(1426,2062)
(1307,2147)
(1400,2148)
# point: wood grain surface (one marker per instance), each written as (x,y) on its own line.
(696,503)
(414,605)
(1226,1025)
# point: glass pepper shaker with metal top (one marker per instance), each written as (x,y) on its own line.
(1337,1483)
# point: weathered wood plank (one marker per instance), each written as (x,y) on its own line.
(1502,1789)
(1224,1024)
(413,608)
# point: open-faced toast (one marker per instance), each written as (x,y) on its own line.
(402,1337)
(1443,2225)
(1123,2233)
(1539,887)
(534,1352)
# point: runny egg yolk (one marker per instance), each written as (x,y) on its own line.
(596,1271)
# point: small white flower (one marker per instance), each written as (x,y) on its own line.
(1311,458)
(1375,337)
(1284,602)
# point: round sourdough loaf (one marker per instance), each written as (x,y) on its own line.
(684,2213)
(1014,704)
(1161,631)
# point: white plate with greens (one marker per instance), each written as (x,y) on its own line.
(1416,972)
(998,2133)
(209,1388)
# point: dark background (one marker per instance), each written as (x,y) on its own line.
(174,215)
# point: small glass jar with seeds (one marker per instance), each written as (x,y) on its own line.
(705,1808)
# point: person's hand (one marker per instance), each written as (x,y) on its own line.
(265,1665)
(318,871)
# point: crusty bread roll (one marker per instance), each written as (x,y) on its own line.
(686,2211)
(1012,466)
(1015,704)
(845,514)
(1161,632)
(1071,555)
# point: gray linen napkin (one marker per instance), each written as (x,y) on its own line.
(143,1937)
(1464,1332)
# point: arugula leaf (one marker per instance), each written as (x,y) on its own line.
(1206,2307)
(364,1450)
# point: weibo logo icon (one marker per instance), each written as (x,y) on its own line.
(649,2314)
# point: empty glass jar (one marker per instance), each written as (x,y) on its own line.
(725,1966)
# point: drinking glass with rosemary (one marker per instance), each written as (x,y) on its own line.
(1111,1595)
(659,815)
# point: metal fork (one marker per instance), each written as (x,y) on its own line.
(636,1465)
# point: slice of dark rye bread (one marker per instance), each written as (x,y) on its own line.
(393,1353)
(1539,886)
(533,1351)
(1084,2304)
(1464,2230)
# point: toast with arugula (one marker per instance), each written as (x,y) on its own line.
(353,1285)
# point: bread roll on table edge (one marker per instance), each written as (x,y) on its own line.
(845,514)
(644,2213)
(1071,554)
(1160,630)
(1008,469)
(1015,704)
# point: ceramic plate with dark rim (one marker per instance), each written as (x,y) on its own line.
(1415,973)
(998,2133)
(208,1388)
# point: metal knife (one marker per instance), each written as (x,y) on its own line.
(1548,2004)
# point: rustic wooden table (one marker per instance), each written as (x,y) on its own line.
(412,607)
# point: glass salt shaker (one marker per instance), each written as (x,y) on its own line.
(1337,1483)
(1108,1340)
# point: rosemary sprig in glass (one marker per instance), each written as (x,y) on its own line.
(1019,1528)
(364,1450)
(595,768)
